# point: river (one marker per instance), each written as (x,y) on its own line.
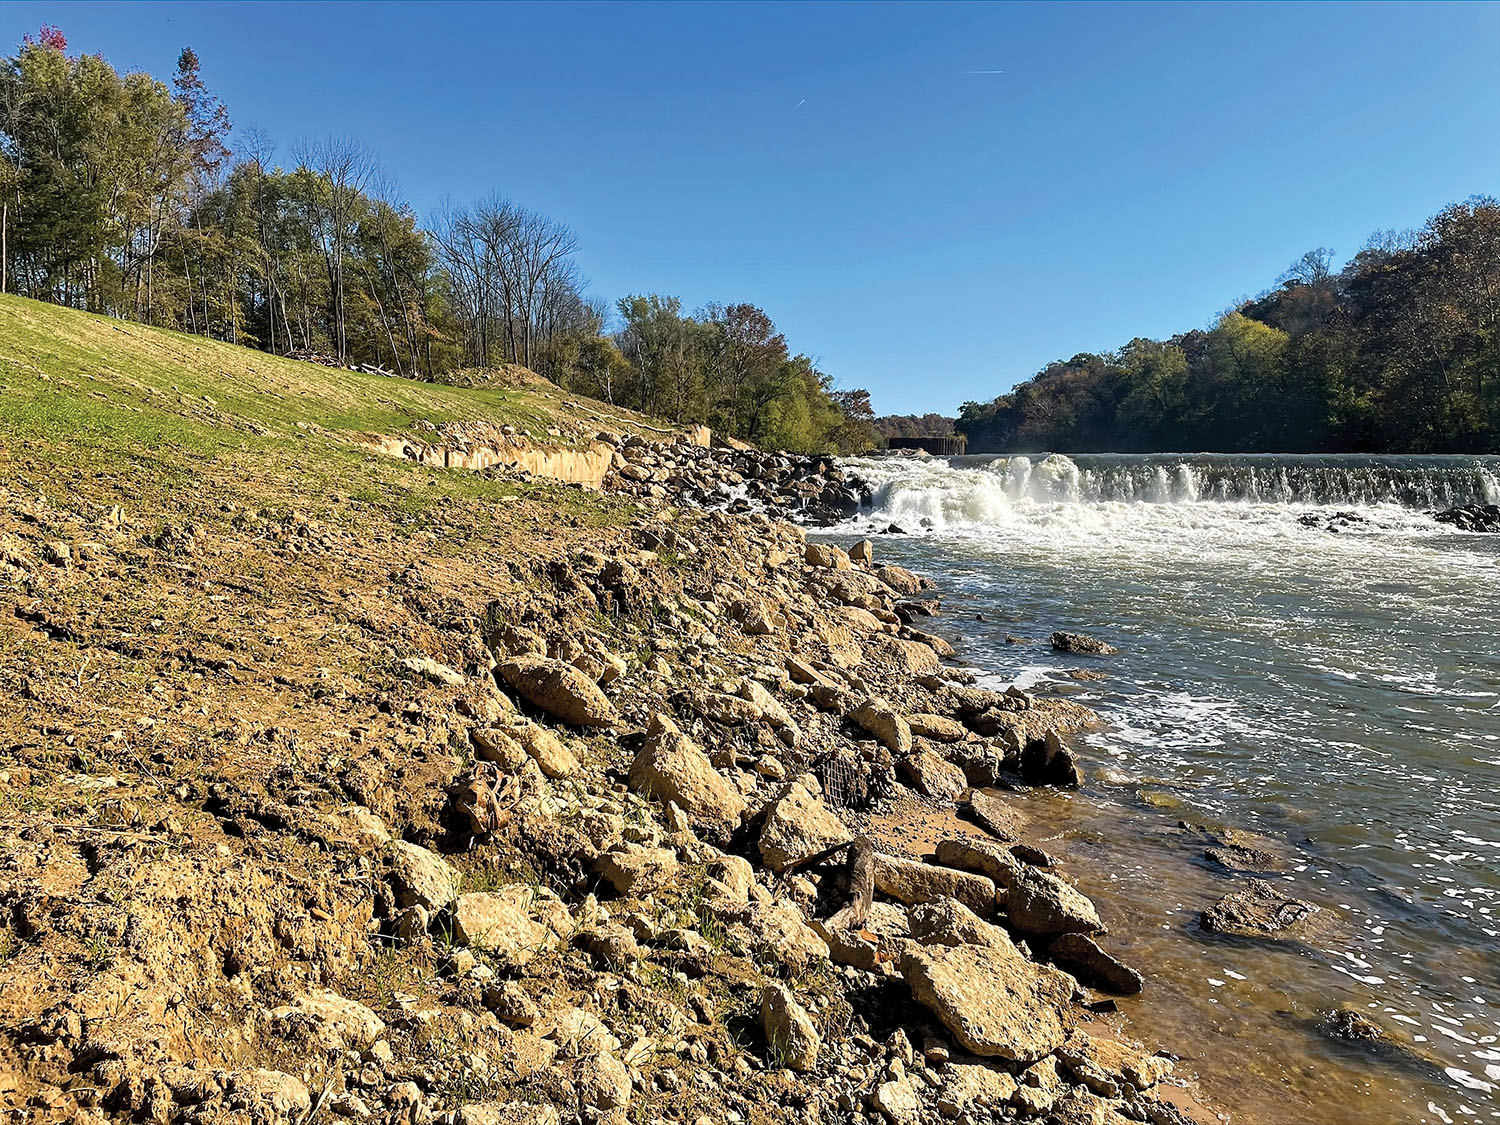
(1304,654)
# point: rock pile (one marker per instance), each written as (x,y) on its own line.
(811,490)
(608,841)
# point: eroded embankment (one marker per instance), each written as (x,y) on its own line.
(514,819)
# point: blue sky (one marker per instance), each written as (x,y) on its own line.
(922,227)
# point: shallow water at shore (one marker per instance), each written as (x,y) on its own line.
(1337,693)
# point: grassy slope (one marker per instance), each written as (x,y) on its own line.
(137,408)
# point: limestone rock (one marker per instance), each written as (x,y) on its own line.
(905,658)
(496,744)
(780,928)
(420,877)
(790,1032)
(973,1086)
(880,719)
(797,827)
(429,669)
(551,756)
(946,921)
(1080,955)
(932,776)
(875,942)
(898,1101)
(825,555)
(767,704)
(1041,905)
(671,767)
(635,870)
(939,728)
(559,689)
(996,1003)
(901,580)
(993,815)
(862,552)
(602,1082)
(498,922)
(728,709)
(911,882)
(336,1022)
(986,857)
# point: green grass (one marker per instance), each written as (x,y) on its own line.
(144,414)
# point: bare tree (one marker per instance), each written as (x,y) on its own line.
(344,166)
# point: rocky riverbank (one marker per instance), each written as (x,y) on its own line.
(528,818)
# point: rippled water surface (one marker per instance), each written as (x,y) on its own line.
(1336,691)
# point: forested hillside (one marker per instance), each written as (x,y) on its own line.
(125,195)
(1399,351)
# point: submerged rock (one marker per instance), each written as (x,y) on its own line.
(1346,1023)
(1258,909)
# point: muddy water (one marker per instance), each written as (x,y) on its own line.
(1335,692)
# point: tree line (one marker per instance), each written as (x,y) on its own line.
(1397,351)
(121,194)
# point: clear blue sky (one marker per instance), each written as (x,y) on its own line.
(922,227)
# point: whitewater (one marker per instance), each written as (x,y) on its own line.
(1305,654)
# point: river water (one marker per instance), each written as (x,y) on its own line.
(1336,692)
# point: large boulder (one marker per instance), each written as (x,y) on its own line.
(671,767)
(798,826)
(996,1003)
(879,718)
(790,1032)
(908,881)
(932,776)
(1040,905)
(559,689)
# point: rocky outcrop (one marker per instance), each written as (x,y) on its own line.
(1081,644)
(1471,517)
